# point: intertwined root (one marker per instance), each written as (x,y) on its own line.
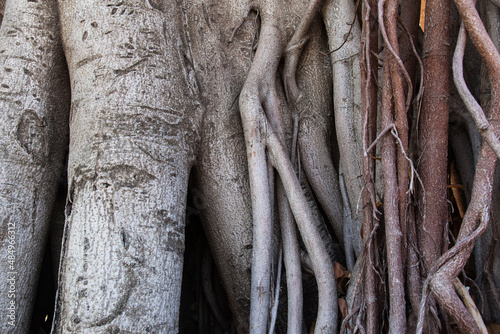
(414,221)
(445,270)
(261,111)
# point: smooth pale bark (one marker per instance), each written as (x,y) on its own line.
(337,16)
(34,105)
(259,89)
(134,130)
(109,89)
(315,135)
(316,129)
(326,321)
(221,189)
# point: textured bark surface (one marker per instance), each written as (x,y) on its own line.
(135,124)
(34,105)
(432,217)
(190,52)
(347,100)
(221,186)
(262,120)
(433,130)
(369,74)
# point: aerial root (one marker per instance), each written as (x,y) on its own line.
(470,102)
(463,292)
(449,265)
(413,171)
(347,222)
(369,49)
(274,309)
(292,262)
(393,52)
(322,266)
(417,56)
(260,113)
(446,268)
(294,50)
(289,238)
(493,290)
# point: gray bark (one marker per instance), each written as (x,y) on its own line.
(34,104)
(155,87)
(153,93)
(221,187)
(137,74)
(347,101)
(134,125)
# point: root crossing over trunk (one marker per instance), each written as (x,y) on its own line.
(326,321)
(259,104)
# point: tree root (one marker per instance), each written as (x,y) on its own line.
(274,309)
(321,176)
(449,265)
(290,242)
(326,321)
(463,292)
(431,137)
(397,318)
(347,223)
(259,108)
(292,263)
(470,102)
(452,262)
(347,101)
(369,73)
(294,50)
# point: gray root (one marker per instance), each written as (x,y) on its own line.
(347,101)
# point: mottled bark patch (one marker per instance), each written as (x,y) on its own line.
(125,239)
(32,135)
(164,217)
(174,242)
(4,229)
(158,5)
(119,308)
(128,176)
(244,303)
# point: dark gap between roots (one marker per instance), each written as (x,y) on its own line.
(43,309)
(193,303)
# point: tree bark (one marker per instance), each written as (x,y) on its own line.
(135,122)
(34,108)
(433,130)
(224,88)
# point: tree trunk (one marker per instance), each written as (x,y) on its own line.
(34,108)
(134,130)
(276,109)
